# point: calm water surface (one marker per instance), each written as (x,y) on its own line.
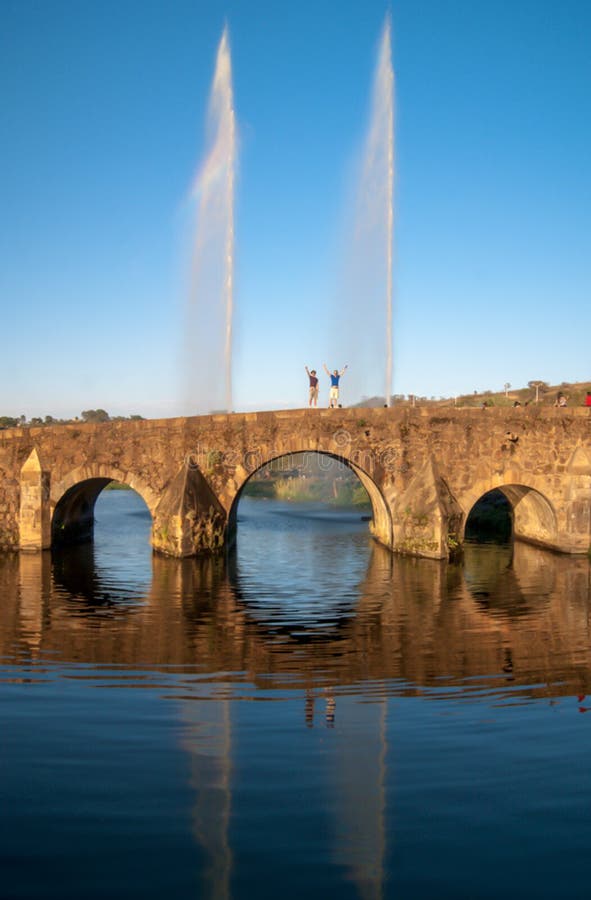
(312,718)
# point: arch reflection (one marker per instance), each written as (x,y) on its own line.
(408,624)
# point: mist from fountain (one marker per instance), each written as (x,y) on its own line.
(208,338)
(366,295)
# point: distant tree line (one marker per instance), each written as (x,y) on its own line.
(87,415)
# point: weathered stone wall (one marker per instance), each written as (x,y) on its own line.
(424,470)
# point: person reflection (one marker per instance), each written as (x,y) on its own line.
(309,709)
(331,704)
(329,710)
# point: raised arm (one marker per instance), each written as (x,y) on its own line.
(342,372)
(325,369)
(307,371)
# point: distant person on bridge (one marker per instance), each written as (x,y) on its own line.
(335,377)
(313,393)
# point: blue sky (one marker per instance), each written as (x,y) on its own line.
(102,115)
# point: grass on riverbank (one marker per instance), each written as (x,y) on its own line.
(341,491)
(336,492)
(308,478)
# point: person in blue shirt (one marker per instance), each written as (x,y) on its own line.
(335,377)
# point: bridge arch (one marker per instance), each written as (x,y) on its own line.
(381,525)
(533,515)
(73,498)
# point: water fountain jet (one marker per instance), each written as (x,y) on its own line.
(210,312)
(367,294)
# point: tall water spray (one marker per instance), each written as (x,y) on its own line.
(209,332)
(367,293)
(386,82)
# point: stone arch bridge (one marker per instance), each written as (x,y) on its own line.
(424,469)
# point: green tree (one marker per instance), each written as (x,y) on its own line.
(95,415)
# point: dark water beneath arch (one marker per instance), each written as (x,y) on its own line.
(314,717)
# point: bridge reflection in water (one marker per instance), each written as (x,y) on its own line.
(507,615)
(510,621)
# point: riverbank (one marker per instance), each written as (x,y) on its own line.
(340,491)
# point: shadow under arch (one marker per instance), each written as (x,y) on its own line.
(381,525)
(276,626)
(73,500)
(532,515)
(94,592)
(508,582)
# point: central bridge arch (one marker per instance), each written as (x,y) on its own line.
(381,524)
